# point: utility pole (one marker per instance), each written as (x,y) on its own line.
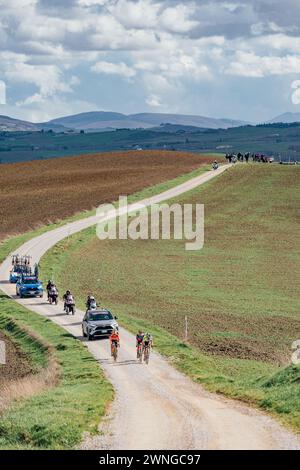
(186,328)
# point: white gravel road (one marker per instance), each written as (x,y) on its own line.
(156,407)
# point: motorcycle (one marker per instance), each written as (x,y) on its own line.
(70,306)
(91,305)
(53,297)
(215,166)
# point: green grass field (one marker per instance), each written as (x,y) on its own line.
(240,293)
(57,417)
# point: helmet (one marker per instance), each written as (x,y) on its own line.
(91,297)
(140,332)
(68,292)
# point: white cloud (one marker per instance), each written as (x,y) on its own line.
(172,46)
(279,42)
(248,64)
(154,101)
(2,92)
(47,78)
(89,3)
(140,14)
(48,108)
(296,92)
(109,68)
(178,19)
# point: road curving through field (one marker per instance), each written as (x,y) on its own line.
(156,407)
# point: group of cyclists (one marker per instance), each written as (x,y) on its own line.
(144,341)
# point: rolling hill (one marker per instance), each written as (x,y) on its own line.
(10,124)
(286,118)
(102,120)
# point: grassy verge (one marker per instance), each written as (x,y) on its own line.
(57,417)
(239,292)
(31,346)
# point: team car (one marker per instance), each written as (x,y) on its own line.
(29,286)
(97,323)
(16,273)
(20,266)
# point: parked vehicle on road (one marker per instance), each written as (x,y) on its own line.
(97,323)
(29,286)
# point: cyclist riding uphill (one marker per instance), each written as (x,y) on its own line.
(114,340)
(147,340)
(139,342)
(139,338)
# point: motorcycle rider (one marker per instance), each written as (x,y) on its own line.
(49,286)
(215,165)
(68,297)
(91,302)
(53,293)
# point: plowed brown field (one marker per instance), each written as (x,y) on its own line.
(34,193)
(17,364)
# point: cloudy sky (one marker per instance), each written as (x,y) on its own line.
(236,58)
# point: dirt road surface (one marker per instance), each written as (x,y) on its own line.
(156,407)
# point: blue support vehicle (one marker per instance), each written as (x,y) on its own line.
(29,286)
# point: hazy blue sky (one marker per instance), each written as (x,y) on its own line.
(235,58)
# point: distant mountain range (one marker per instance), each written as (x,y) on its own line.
(10,124)
(286,118)
(103,120)
(17,125)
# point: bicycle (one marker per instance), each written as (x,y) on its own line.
(139,351)
(114,350)
(146,353)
